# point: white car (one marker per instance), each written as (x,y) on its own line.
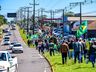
(6,37)
(8,34)
(17,47)
(6,42)
(11,45)
(7,62)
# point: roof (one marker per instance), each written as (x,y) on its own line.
(92,25)
(3,51)
(93,18)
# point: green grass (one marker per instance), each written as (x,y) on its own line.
(23,35)
(57,65)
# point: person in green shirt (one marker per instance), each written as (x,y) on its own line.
(55,47)
(51,48)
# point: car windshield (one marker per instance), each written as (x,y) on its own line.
(6,40)
(3,57)
(16,45)
(12,43)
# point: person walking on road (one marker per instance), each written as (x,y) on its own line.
(64,51)
(40,46)
(36,43)
(51,48)
(71,51)
(76,51)
(28,42)
(81,49)
(92,52)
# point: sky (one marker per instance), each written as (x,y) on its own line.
(9,6)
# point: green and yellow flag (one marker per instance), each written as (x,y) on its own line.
(82,29)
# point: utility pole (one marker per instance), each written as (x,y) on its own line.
(21,11)
(51,21)
(80,4)
(63,21)
(26,9)
(51,13)
(42,10)
(27,21)
(34,4)
(38,16)
(63,16)
(24,15)
(0,7)
(80,13)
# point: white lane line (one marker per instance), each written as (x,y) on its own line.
(45,70)
(40,56)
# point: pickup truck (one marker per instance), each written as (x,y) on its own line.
(7,62)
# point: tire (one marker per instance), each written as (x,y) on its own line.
(12,51)
(8,69)
(21,51)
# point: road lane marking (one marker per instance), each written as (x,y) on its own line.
(40,56)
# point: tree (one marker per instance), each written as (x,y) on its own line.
(3,20)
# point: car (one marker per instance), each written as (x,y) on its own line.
(6,30)
(11,45)
(9,34)
(8,63)
(13,28)
(17,47)
(6,37)
(6,42)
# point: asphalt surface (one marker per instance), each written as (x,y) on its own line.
(30,60)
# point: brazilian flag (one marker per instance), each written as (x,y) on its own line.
(82,29)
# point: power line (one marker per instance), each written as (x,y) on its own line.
(34,4)
(89,12)
(56,2)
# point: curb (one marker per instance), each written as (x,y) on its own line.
(43,56)
(48,63)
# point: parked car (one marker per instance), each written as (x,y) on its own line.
(6,30)
(6,42)
(6,37)
(11,45)
(7,62)
(9,34)
(13,28)
(17,47)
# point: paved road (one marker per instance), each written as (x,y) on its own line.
(30,60)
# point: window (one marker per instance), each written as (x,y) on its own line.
(3,57)
(8,56)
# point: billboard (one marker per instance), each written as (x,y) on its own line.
(11,15)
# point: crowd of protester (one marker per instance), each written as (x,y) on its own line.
(80,50)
